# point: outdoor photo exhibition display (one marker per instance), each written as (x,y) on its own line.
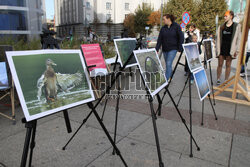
(124,48)
(202,84)
(192,55)
(208,55)
(4,82)
(93,57)
(49,81)
(151,70)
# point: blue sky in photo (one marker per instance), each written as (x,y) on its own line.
(49,9)
(202,82)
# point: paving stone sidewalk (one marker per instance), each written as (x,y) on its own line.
(224,142)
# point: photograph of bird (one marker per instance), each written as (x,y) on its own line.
(51,82)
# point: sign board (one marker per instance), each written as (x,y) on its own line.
(186,18)
(146,28)
(182,25)
(93,57)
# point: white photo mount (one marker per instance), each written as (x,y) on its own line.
(208,45)
(19,82)
(192,55)
(202,84)
(151,54)
(130,51)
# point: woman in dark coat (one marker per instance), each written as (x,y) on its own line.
(171,39)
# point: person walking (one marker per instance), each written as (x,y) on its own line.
(242,72)
(227,44)
(171,39)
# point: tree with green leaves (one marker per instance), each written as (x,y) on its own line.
(207,13)
(129,24)
(142,14)
(202,12)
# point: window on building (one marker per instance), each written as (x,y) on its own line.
(126,6)
(39,22)
(108,5)
(13,20)
(88,17)
(13,2)
(88,5)
(108,16)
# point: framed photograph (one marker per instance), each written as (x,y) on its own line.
(49,81)
(208,55)
(124,48)
(201,83)
(93,57)
(192,55)
(151,70)
(4,82)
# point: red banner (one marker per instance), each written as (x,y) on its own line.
(93,56)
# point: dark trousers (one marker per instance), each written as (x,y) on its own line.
(243,66)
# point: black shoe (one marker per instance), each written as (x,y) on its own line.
(218,82)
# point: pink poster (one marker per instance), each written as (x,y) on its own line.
(93,56)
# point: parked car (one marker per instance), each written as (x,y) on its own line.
(151,41)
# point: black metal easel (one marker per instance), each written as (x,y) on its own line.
(98,102)
(30,143)
(171,78)
(31,132)
(211,77)
(154,117)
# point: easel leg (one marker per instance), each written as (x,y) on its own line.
(171,78)
(160,104)
(190,116)
(67,121)
(183,120)
(161,164)
(30,126)
(106,101)
(12,94)
(116,115)
(32,143)
(183,91)
(83,122)
(202,113)
(90,105)
(211,79)
(212,106)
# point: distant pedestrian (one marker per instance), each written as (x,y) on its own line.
(242,72)
(192,30)
(227,44)
(171,39)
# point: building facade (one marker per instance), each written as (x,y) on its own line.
(22,18)
(73,16)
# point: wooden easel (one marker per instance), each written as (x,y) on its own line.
(236,80)
(10,92)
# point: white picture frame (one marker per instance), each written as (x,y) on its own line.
(202,83)
(208,50)
(26,68)
(192,56)
(142,57)
(124,48)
